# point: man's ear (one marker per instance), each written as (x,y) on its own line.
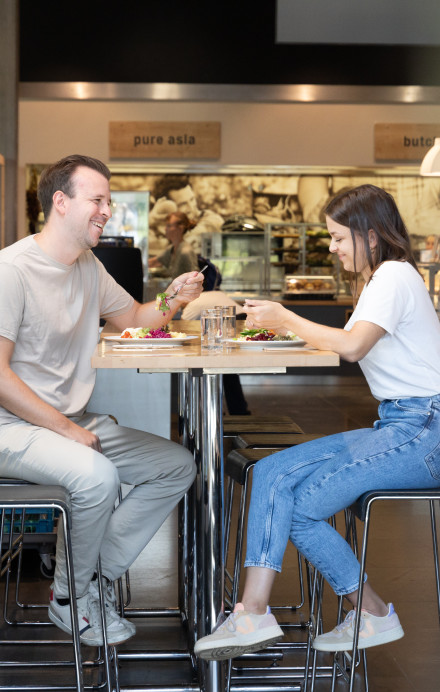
(59,202)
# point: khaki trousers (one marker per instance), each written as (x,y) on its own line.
(159,470)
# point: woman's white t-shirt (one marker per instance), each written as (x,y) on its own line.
(405,362)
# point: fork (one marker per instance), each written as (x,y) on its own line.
(182,285)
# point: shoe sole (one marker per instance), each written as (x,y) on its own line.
(221,653)
(83,638)
(382,638)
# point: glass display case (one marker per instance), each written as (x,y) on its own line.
(240,257)
(130,220)
(301,250)
(263,262)
(309,287)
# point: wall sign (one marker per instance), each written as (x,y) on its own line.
(403,141)
(164,140)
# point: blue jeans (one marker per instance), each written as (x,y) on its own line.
(295,491)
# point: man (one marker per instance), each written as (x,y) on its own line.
(53,292)
(176,189)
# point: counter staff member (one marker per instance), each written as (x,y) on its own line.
(394,334)
(179,256)
(53,292)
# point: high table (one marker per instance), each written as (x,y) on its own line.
(200,403)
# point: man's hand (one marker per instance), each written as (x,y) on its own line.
(18,398)
(189,287)
(83,436)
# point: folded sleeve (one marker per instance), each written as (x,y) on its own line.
(12,300)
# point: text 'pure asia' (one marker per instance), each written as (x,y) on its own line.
(158,140)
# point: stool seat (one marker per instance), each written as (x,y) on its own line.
(30,495)
(360,507)
(272,439)
(240,460)
(234,425)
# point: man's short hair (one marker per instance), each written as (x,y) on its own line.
(169,183)
(58,176)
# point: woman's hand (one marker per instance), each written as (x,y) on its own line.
(266,314)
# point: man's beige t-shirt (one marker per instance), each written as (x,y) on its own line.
(51,311)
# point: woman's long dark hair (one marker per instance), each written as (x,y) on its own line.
(366,208)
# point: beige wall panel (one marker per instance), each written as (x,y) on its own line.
(268,134)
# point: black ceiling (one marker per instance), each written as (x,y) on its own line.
(184,41)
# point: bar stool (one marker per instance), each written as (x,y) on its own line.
(239,463)
(21,495)
(264,425)
(362,510)
(272,440)
(234,425)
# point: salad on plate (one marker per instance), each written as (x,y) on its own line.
(265,335)
(150,333)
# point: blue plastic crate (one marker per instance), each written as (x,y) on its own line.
(36,521)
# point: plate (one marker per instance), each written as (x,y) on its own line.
(150,342)
(266,344)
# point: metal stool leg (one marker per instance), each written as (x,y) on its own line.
(20,495)
(106,647)
(435,552)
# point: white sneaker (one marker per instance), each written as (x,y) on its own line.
(90,634)
(113,620)
(240,633)
(373,630)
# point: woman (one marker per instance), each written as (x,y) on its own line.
(394,333)
(179,257)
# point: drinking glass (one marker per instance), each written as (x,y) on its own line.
(211,320)
(229,320)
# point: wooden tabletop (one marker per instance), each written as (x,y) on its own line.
(189,355)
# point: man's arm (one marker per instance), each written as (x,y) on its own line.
(20,400)
(146,315)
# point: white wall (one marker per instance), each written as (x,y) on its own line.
(268,134)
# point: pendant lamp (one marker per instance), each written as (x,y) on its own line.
(431,163)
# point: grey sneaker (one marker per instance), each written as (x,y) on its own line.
(373,630)
(240,633)
(113,620)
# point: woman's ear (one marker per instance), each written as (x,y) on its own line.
(372,239)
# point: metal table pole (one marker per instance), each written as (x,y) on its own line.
(184,519)
(210,558)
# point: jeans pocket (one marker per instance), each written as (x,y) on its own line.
(433,462)
(422,405)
